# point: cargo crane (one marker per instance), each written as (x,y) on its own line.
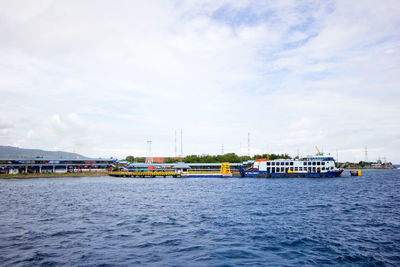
(319,152)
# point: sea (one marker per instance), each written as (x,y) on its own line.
(106,221)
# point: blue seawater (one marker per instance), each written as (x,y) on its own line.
(201,222)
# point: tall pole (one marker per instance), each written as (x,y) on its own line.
(181,143)
(149,158)
(248,144)
(176,152)
(337,156)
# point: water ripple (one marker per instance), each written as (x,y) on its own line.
(217,222)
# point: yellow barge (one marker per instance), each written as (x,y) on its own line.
(144,174)
(224,172)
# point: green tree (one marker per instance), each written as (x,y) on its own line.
(130,159)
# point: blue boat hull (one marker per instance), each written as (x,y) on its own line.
(264,174)
(206,176)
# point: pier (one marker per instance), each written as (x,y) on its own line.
(143,174)
(56,166)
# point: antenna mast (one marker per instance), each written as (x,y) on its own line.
(181,143)
(149,159)
(248,144)
(176,152)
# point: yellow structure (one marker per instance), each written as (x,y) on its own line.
(355,173)
(319,152)
(225,168)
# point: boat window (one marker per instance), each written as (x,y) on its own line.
(314,163)
(296,169)
(318,163)
(268,163)
(300,168)
(286,163)
(291,163)
(323,163)
(273,163)
(291,169)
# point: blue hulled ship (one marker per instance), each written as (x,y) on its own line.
(311,166)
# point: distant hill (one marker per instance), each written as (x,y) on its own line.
(16,152)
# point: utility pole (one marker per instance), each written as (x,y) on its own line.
(149,159)
(248,144)
(337,155)
(181,143)
(176,152)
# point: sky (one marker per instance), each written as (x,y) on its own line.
(101,78)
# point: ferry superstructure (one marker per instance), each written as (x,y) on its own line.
(310,166)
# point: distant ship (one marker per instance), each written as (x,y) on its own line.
(310,166)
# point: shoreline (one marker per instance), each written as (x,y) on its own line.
(51,175)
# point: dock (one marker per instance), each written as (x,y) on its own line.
(143,174)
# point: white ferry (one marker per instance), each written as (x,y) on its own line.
(310,166)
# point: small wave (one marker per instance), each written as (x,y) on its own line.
(67,233)
(170,242)
(190,249)
(235,254)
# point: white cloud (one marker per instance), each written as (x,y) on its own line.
(100,79)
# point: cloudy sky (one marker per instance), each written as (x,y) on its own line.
(100,78)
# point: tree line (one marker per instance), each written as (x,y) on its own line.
(229,157)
